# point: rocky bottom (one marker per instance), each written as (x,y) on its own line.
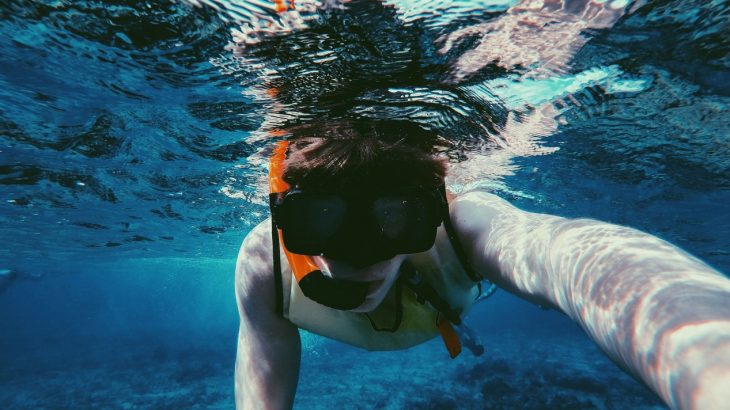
(518,371)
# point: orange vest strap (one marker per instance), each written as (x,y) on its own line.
(449,336)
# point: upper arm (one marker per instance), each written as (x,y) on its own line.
(268,353)
(498,239)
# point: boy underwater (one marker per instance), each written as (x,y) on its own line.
(365,247)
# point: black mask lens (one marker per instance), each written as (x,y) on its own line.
(310,221)
(407,222)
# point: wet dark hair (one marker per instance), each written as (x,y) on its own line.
(343,160)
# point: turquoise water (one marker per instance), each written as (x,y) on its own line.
(133,145)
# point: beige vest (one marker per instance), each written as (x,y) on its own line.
(439,266)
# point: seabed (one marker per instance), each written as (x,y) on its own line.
(521,369)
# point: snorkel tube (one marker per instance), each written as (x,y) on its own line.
(334,293)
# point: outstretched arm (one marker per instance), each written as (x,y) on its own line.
(267,361)
(654,309)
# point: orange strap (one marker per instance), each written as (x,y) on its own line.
(449,336)
(276,168)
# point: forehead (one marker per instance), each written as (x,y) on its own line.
(360,191)
(365,164)
(380,179)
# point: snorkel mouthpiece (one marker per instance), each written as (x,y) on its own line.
(335,293)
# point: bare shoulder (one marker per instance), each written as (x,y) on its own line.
(472,212)
(480,197)
(254,268)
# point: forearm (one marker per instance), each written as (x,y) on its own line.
(268,351)
(653,308)
(267,371)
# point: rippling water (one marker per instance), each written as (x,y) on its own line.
(142,126)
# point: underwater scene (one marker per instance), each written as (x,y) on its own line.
(134,144)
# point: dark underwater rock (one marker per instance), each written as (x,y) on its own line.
(496,387)
(569,402)
(578,382)
(486,369)
(583,383)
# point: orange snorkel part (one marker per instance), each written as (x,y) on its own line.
(301,265)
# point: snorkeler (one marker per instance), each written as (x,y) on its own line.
(365,247)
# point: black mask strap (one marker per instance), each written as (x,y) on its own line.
(279,291)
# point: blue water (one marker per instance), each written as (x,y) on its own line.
(133,141)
